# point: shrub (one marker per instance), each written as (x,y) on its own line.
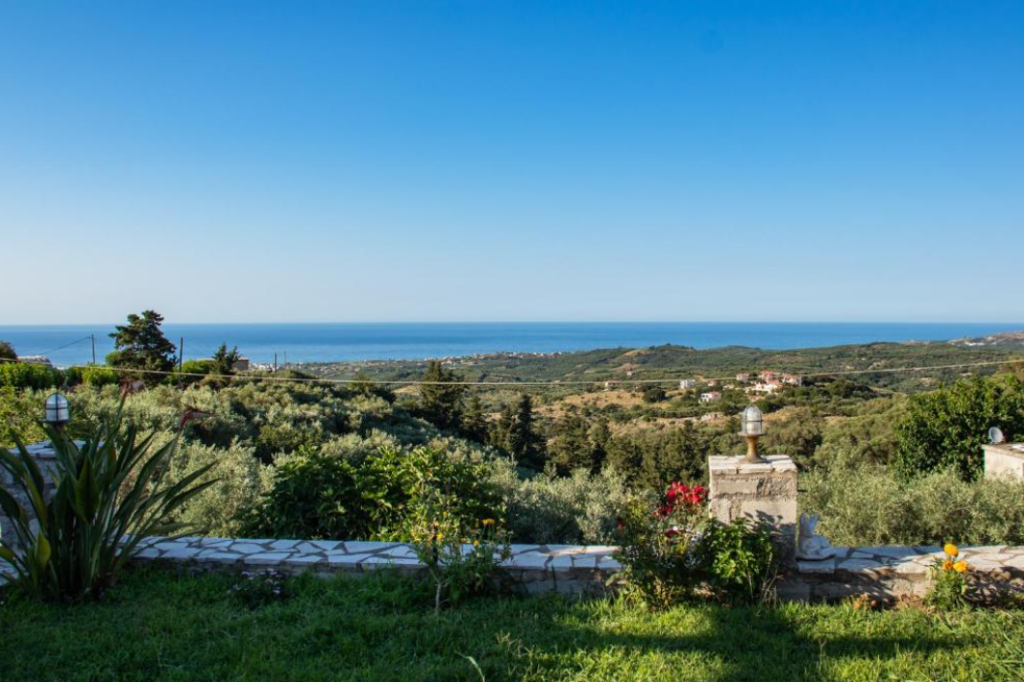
(240,481)
(656,541)
(109,496)
(946,428)
(460,552)
(316,495)
(19,413)
(579,509)
(738,559)
(313,496)
(868,505)
(29,375)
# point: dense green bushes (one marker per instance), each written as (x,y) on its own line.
(946,428)
(867,505)
(316,495)
(29,375)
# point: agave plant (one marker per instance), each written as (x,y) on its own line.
(109,494)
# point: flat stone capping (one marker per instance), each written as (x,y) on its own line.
(879,572)
(569,569)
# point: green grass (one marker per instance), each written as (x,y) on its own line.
(158,626)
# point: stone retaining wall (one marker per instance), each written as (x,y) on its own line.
(882,573)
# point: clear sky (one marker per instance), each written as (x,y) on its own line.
(391,161)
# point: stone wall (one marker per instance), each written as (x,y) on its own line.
(45,457)
(881,573)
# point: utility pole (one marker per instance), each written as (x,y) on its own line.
(93,337)
(286,359)
(275,362)
(181,352)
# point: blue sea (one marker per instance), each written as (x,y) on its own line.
(67,344)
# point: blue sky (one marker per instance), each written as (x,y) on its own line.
(391,161)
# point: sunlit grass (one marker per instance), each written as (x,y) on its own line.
(158,626)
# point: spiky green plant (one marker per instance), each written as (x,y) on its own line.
(110,494)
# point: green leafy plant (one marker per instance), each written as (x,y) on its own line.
(948,590)
(314,496)
(109,494)
(460,552)
(737,559)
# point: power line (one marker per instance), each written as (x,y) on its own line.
(554,383)
(67,345)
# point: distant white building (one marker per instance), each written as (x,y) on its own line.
(768,376)
(769,387)
(241,365)
(793,379)
(711,397)
(743,377)
(687,384)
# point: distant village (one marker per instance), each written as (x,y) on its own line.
(766,383)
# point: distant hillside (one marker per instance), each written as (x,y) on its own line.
(1003,340)
(677,362)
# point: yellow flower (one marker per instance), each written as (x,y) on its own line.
(488,522)
(440,536)
(950,549)
(960,567)
(476,543)
(947,565)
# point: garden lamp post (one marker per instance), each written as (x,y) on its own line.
(752,428)
(57,410)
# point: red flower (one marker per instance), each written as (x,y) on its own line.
(672,532)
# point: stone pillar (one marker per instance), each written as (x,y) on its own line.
(765,491)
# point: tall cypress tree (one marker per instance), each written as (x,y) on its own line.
(516,435)
(440,400)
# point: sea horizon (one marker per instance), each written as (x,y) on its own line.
(310,342)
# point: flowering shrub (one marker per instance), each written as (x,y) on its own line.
(656,541)
(460,552)
(949,580)
(670,549)
(257,589)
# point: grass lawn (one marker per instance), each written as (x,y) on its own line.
(156,625)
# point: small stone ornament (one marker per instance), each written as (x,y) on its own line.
(811,546)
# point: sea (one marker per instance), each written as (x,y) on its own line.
(340,342)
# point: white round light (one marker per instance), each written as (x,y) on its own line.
(58,410)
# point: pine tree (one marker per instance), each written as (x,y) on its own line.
(474,421)
(515,434)
(140,344)
(7,351)
(224,360)
(441,400)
